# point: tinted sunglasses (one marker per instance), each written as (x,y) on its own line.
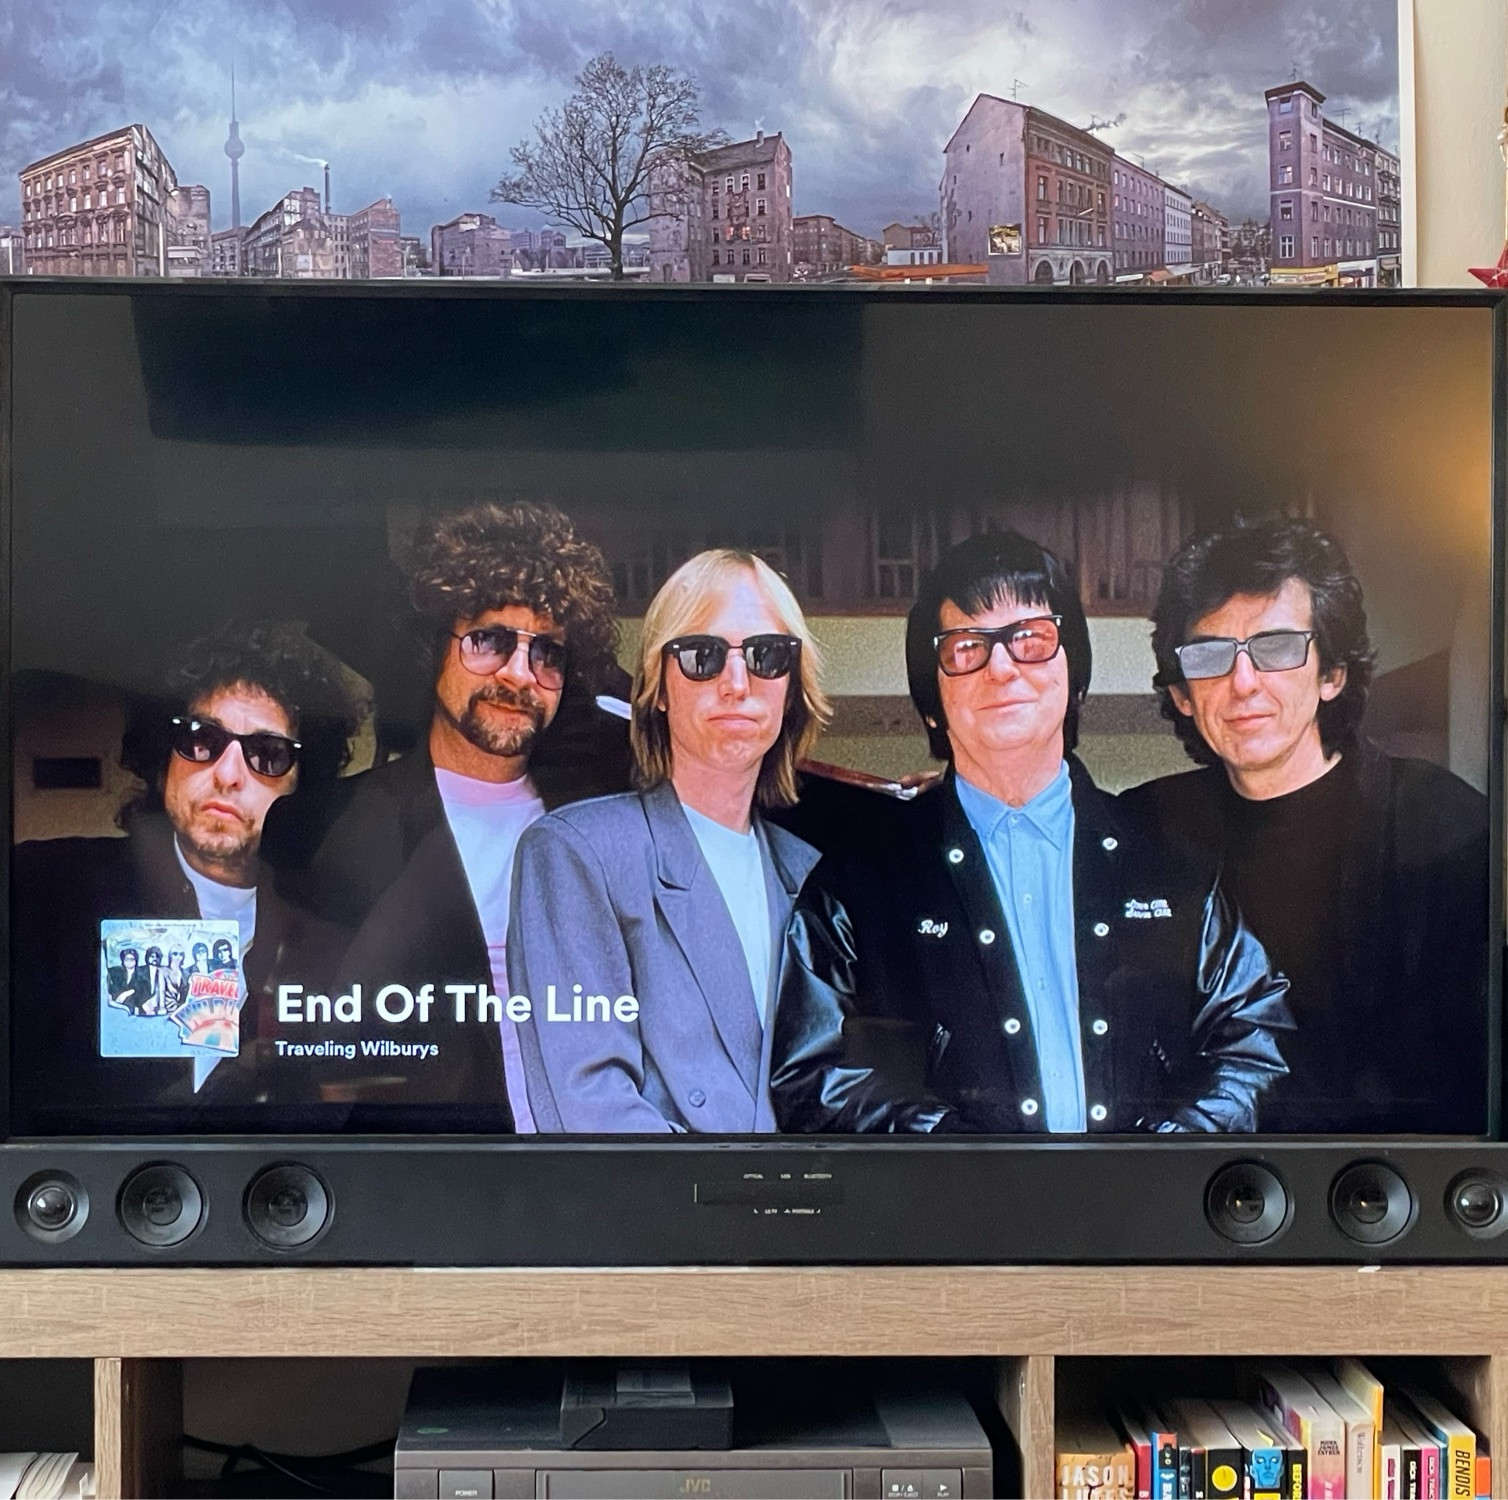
(489,648)
(703,657)
(1269,651)
(1027,642)
(203,742)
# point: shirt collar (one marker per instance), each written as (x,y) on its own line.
(1050,812)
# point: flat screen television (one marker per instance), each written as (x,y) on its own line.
(594,775)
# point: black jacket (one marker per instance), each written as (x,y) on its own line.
(1406,1047)
(901,1007)
(61,889)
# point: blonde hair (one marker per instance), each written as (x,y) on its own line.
(682,604)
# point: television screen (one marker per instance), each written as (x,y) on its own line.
(625,712)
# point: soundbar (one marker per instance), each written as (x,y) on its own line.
(536,1203)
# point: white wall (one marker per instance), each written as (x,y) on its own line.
(1456,52)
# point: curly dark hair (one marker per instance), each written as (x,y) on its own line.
(273,657)
(1258,559)
(978,573)
(490,556)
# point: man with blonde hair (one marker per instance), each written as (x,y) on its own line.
(646,927)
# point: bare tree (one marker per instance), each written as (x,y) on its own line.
(593,161)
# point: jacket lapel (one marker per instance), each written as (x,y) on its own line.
(691,903)
(787,862)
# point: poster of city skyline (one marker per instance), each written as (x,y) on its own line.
(373,139)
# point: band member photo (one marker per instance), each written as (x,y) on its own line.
(1363,874)
(510,607)
(1018,958)
(675,895)
(250,713)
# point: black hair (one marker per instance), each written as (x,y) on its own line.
(977,574)
(274,658)
(1258,559)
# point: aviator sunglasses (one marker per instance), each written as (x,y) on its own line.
(703,657)
(489,648)
(203,742)
(1268,651)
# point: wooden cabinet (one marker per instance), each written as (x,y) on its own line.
(1035,1323)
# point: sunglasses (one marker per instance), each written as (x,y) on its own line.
(1270,651)
(703,657)
(489,648)
(1027,642)
(203,742)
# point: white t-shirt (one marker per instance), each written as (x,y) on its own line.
(737,865)
(223,903)
(486,819)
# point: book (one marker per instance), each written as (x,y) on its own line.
(1421,1453)
(1135,1431)
(1390,1462)
(1363,1386)
(1294,1403)
(1267,1466)
(1093,1461)
(1224,1462)
(1458,1477)
(1360,1431)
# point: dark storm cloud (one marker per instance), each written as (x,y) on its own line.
(423,100)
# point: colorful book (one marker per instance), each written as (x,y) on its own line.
(1093,1461)
(1223,1459)
(1360,1431)
(1140,1439)
(1421,1453)
(1458,1478)
(1390,1462)
(1363,1386)
(1266,1448)
(1293,1402)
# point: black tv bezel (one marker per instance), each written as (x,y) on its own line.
(803,1200)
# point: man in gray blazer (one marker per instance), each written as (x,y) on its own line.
(646,928)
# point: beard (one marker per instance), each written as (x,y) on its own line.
(503,739)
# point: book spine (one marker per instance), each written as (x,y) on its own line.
(1429,1464)
(1413,1470)
(1300,1482)
(1484,1476)
(1459,1454)
(1165,1466)
(1143,1451)
(1390,1472)
(1224,1469)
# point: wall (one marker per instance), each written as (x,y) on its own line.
(1457,54)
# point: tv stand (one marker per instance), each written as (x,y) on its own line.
(1036,1323)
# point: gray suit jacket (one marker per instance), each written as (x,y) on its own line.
(615,895)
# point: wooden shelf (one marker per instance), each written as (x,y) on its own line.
(1033,1321)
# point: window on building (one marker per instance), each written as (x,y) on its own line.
(1313,177)
(743,182)
(746,257)
(1041,229)
(1285,246)
(1314,246)
(1314,209)
(730,184)
(714,258)
(1285,140)
(1002,158)
(1285,176)
(714,210)
(759,182)
(759,208)
(760,257)
(1285,105)
(1285,209)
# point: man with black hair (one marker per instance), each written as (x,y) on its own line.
(1365,875)
(1013,957)
(513,614)
(248,714)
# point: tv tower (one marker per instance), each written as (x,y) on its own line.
(235,149)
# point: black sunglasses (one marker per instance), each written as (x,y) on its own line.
(489,648)
(968,648)
(203,741)
(703,657)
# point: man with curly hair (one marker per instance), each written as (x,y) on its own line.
(1365,875)
(248,715)
(514,615)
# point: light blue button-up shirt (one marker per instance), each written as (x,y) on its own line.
(1030,854)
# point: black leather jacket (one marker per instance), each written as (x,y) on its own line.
(901,1007)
